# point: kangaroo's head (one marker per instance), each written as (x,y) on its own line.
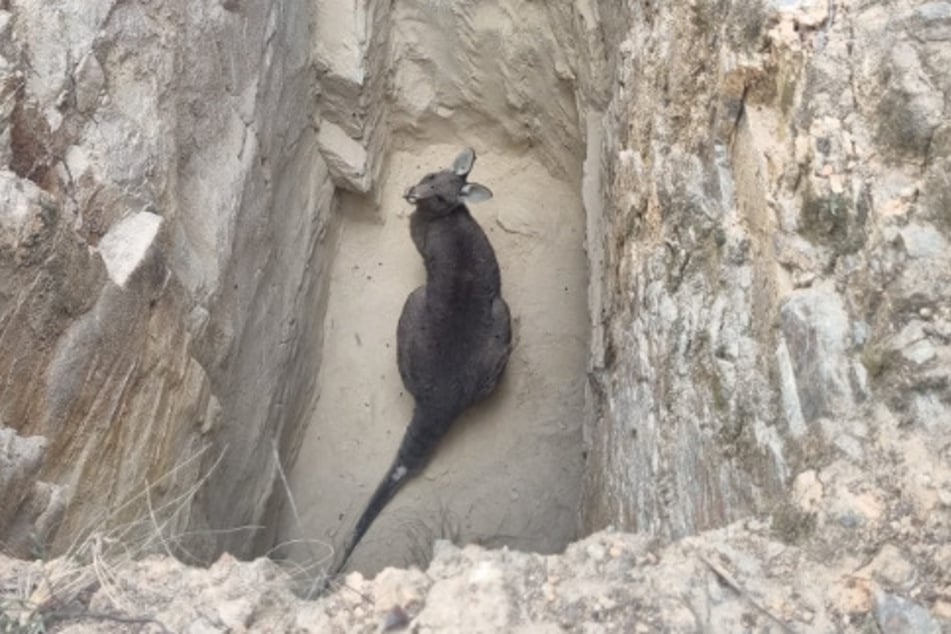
(439,193)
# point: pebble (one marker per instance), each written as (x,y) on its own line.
(596,552)
(896,615)
(395,619)
(942,609)
(235,614)
(892,568)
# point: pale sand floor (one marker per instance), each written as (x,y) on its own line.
(510,471)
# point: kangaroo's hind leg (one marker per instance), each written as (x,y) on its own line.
(493,354)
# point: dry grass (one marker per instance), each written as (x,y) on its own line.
(97,558)
(103,553)
(310,577)
(423,536)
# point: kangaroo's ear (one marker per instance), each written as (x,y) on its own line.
(463,163)
(474,193)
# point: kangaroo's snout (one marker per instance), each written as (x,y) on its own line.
(409,196)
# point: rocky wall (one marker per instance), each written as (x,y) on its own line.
(770,263)
(164,218)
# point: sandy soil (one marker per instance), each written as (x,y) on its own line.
(509,472)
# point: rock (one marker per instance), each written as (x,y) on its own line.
(596,552)
(393,589)
(892,569)
(923,241)
(909,110)
(90,80)
(346,158)
(25,215)
(920,352)
(852,596)
(487,591)
(807,491)
(934,21)
(148,176)
(30,509)
(395,619)
(816,329)
(942,610)
(125,246)
(235,614)
(896,615)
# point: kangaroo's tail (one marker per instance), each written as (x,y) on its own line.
(395,478)
(419,441)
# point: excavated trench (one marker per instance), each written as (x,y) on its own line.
(249,333)
(493,77)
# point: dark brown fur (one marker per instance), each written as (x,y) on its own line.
(454,335)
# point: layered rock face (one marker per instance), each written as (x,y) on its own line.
(163,202)
(770,263)
(769,294)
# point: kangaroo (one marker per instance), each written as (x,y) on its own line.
(454,335)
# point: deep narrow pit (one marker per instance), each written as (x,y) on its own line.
(510,471)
